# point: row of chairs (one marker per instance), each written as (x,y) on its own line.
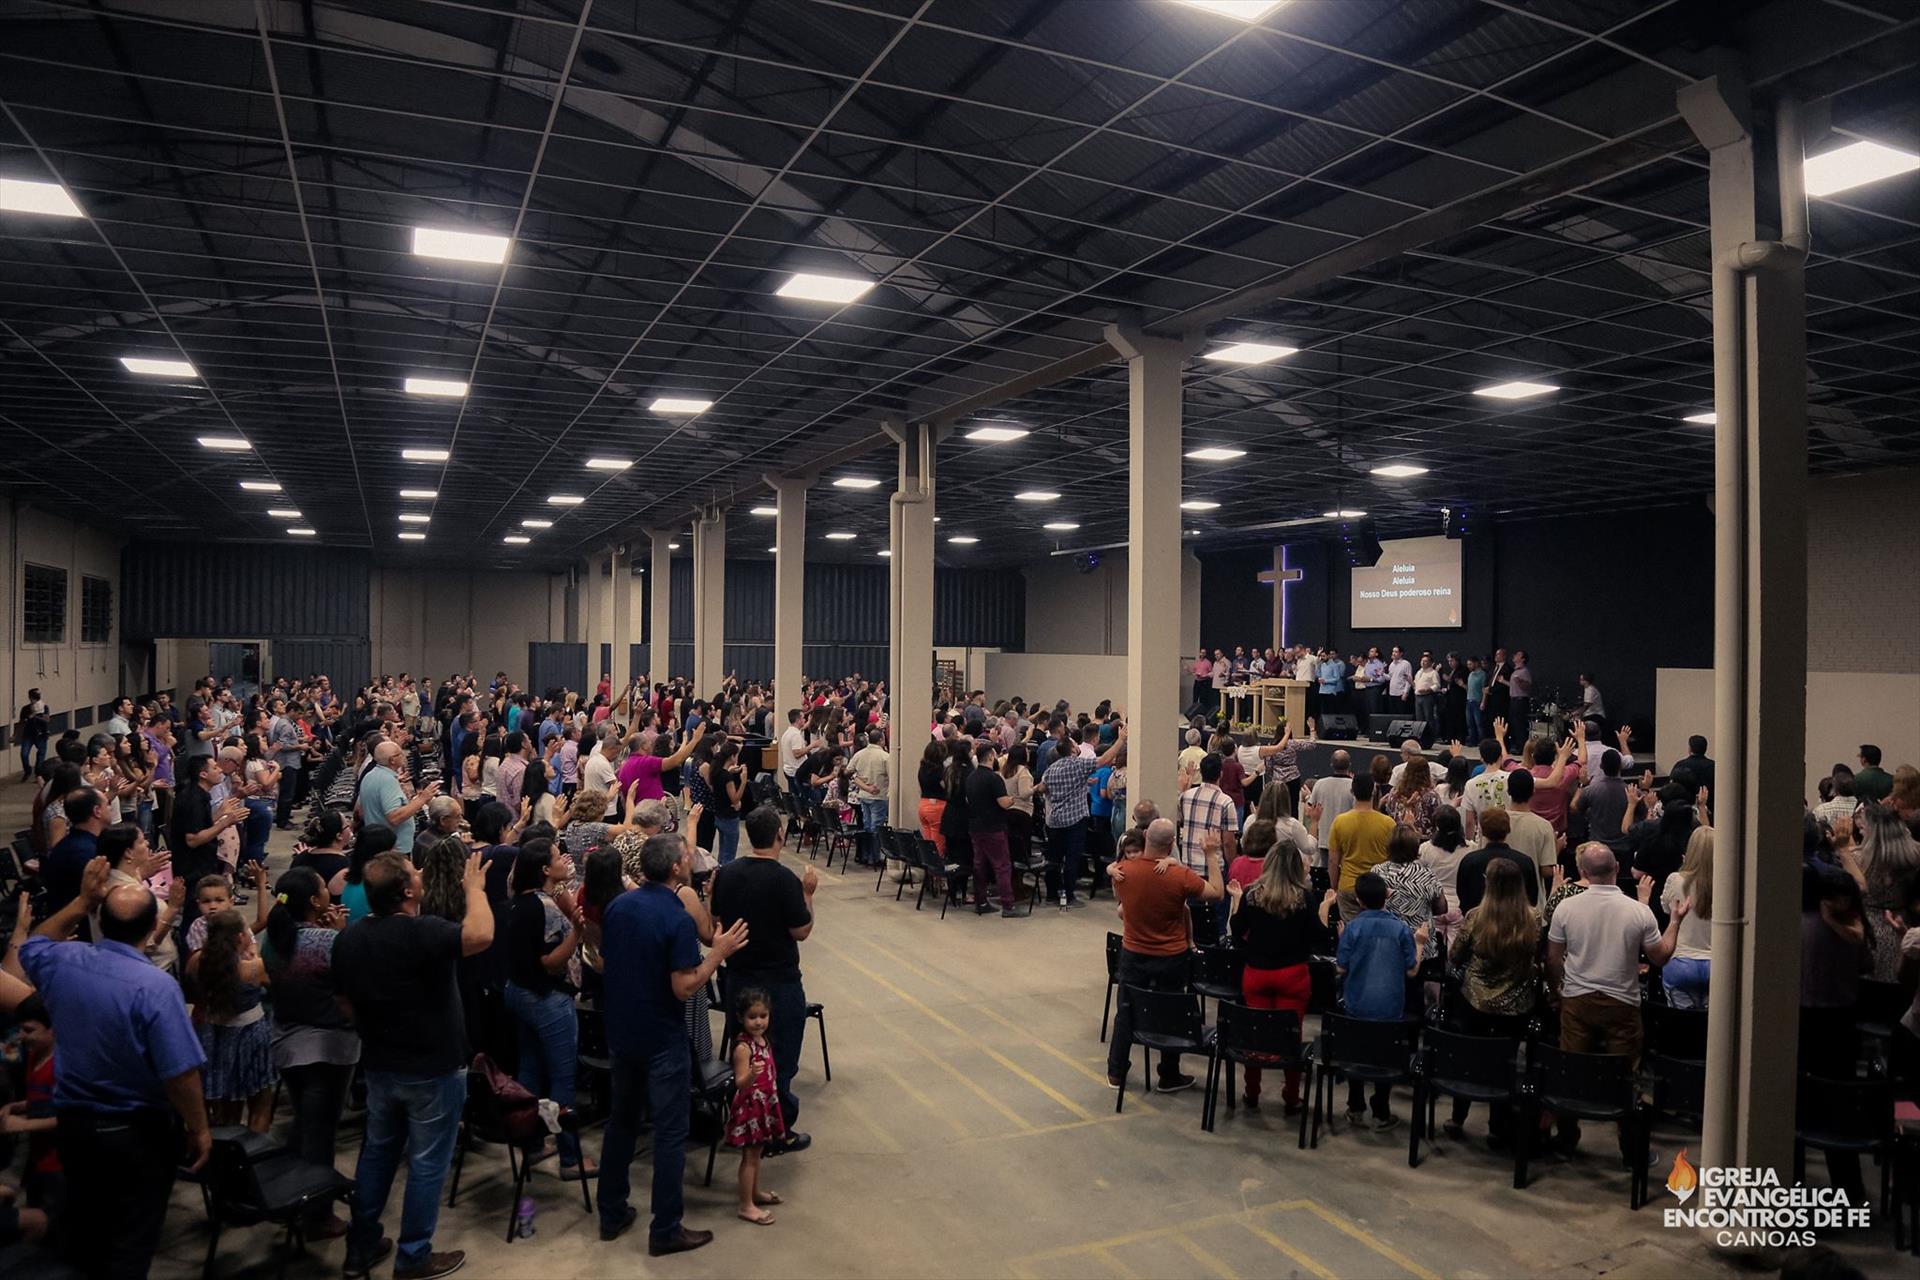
(1529,1074)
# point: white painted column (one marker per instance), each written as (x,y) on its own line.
(1154,422)
(659,604)
(910,616)
(620,633)
(789,592)
(1760,629)
(594,614)
(709,601)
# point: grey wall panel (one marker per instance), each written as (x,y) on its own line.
(749,602)
(832,661)
(241,592)
(846,604)
(556,665)
(983,608)
(680,619)
(680,660)
(347,663)
(637,662)
(753,662)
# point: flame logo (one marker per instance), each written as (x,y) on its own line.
(1682,1180)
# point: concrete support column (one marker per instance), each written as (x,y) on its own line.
(659,604)
(1760,633)
(789,591)
(1153,693)
(594,613)
(709,601)
(910,615)
(620,632)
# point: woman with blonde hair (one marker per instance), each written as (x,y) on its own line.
(1685,975)
(1276,928)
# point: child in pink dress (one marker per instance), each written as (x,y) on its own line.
(754,1119)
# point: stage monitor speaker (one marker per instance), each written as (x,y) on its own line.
(1361,544)
(1343,728)
(1419,730)
(1380,728)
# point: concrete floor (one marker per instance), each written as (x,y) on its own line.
(968,1131)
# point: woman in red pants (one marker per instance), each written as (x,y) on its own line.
(933,793)
(1276,926)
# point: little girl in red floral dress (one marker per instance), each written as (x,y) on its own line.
(754,1119)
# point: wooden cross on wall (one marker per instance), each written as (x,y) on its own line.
(1278,577)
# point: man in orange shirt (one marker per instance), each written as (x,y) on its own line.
(1154,919)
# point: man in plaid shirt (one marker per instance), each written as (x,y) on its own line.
(1065,785)
(1205,809)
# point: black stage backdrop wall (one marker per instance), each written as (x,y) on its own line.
(1613,597)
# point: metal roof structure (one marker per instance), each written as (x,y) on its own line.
(1441,195)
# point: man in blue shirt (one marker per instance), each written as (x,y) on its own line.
(653,965)
(129,1060)
(1377,954)
(61,870)
(1333,678)
(384,802)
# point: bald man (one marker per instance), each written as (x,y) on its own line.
(129,1065)
(1153,948)
(384,801)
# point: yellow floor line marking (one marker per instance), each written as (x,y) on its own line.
(971,1085)
(1039,1130)
(1016,1028)
(1249,1219)
(944,1021)
(912,1091)
(886,1140)
(1205,1259)
(1301,1260)
(1367,1238)
(1114,1264)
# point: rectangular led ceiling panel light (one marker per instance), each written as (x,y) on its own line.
(1514,390)
(1856,165)
(459,246)
(19,195)
(810,287)
(159,368)
(1252,352)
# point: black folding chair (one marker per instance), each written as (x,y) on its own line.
(1850,1116)
(1356,1049)
(248,1180)
(713,1099)
(1216,974)
(1676,1033)
(1113,979)
(487,1120)
(894,848)
(1266,1038)
(1678,1085)
(839,837)
(818,1012)
(937,870)
(1167,1021)
(1583,1086)
(1477,1068)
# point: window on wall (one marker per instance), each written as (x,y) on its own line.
(45,605)
(96,610)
